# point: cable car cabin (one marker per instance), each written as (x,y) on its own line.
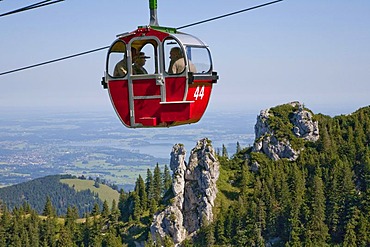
(158,77)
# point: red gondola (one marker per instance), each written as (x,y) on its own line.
(162,93)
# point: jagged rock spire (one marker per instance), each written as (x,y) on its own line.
(194,189)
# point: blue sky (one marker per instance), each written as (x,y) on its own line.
(313,51)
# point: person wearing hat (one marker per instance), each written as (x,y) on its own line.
(139,62)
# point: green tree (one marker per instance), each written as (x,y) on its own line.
(224,151)
(49,210)
(121,203)
(96,210)
(5,225)
(112,240)
(49,231)
(350,239)
(114,215)
(316,229)
(34,228)
(157,184)
(65,238)
(294,224)
(149,186)
(220,228)
(105,211)
(167,180)
(140,191)
(137,209)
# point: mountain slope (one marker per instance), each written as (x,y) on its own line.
(56,187)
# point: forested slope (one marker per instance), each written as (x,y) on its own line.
(322,198)
(61,195)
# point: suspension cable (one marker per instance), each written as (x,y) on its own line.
(229,14)
(32,6)
(106,47)
(54,60)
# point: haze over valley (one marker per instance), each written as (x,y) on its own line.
(96,144)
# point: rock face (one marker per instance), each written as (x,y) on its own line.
(194,189)
(276,148)
(304,126)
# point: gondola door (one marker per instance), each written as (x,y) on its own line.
(145,83)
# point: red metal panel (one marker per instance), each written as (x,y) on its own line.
(175,112)
(145,87)
(146,108)
(118,91)
(175,88)
(200,93)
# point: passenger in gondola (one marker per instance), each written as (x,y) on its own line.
(177,63)
(120,70)
(139,62)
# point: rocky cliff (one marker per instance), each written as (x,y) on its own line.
(277,128)
(194,189)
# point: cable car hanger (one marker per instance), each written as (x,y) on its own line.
(106,47)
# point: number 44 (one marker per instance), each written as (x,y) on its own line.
(199,93)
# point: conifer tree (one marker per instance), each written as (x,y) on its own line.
(363,230)
(121,203)
(114,215)
(34,228)
(224,151)
(350,239)
(167,180)
(72,227)
(316,229)
(112,240)
(297,186)
(65,238)
(95,236)
(220,228)
(140,191)
(49,231)
(157,184)
(49,210)
(152,207)
(105,211)
(149,186)
(137,209)
(333,202)
(96,210)
(86,231)
(5,225)
(24,237)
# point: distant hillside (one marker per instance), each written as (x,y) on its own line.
(63,191)
(104,192)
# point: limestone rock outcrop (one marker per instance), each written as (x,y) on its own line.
(194,189)
(268,142)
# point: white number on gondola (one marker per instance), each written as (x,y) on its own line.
(199,93)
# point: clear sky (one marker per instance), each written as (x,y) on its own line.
(313,51)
